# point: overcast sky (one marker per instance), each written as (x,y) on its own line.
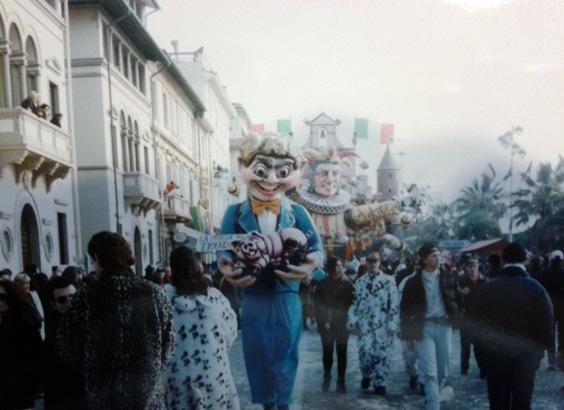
(451,75)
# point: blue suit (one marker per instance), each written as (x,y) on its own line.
(271,317)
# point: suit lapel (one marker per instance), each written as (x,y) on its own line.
(286,218)
(247,220)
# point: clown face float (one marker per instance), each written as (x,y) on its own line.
(264,263)
(330,205)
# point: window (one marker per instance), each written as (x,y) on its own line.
(137,167)
(54,97)
(105,39)
(134,71)
(125,65)
(63,245)
(165,111)
(141,78)
(146,152)
(116,51)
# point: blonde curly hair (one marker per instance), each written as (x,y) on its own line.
(270,144)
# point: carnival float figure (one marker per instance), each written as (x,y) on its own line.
(331,208)
(271,312)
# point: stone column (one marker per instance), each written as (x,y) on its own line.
(131,153)
(5,56)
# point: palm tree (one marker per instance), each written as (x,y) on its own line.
(542,201)
(479,208)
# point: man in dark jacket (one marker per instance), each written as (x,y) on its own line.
(64,388)
(468,284)
(552,279)
(427,311)
(512,326)
(333,297)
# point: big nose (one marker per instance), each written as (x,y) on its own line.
(271,176)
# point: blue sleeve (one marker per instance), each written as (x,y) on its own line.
(305,224)
(229,226)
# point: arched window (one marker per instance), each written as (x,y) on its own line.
(32,70)
(17,67)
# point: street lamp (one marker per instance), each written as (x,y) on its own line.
(507,141)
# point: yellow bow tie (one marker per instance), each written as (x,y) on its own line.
(259,206)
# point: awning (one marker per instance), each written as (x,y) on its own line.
(491,245)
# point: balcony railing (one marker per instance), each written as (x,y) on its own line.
(34,146)
(141,191)
(177,209)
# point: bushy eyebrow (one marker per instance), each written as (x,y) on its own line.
(269,163)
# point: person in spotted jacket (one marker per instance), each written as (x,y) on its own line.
(118,332)
(375,311)
(198,377)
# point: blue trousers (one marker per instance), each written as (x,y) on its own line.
(271,326)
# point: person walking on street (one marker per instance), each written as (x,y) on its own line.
(468,284)
(333,297)
(375,310)
(512,326)
(199,375)
(552,278)
(20,348)
(118,331)
(428,310)
(409,354)
(64,387)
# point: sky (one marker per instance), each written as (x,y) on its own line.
(451,75)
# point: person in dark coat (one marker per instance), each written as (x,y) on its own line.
(552,278)
(512,326)
(333,297)
(56,120)
(64,387)
(20,348)
(428,311)
(468,284)
(118,332)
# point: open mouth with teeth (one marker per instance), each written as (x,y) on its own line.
(268,190)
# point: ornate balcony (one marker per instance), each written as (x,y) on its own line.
(34,146)
(176,209)
(141,192)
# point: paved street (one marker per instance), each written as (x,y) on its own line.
(470,391)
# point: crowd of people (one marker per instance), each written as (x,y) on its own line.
(31,103)
(112,340)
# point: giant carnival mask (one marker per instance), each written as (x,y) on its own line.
(268,167)
(326,177)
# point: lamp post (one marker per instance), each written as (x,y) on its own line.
(507,141)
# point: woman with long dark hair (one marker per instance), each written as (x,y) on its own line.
(199,375)
(20,348)
(118,331)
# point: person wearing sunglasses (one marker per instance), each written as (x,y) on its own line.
(20,348)
(375,311)
(64,388)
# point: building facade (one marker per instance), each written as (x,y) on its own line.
(37,175)
(218,120)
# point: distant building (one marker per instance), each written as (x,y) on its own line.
(218,118)
(388,176)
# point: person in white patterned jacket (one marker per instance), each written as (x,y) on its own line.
(375,311)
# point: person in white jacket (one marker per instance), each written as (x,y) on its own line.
(375,310)
(199,375)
